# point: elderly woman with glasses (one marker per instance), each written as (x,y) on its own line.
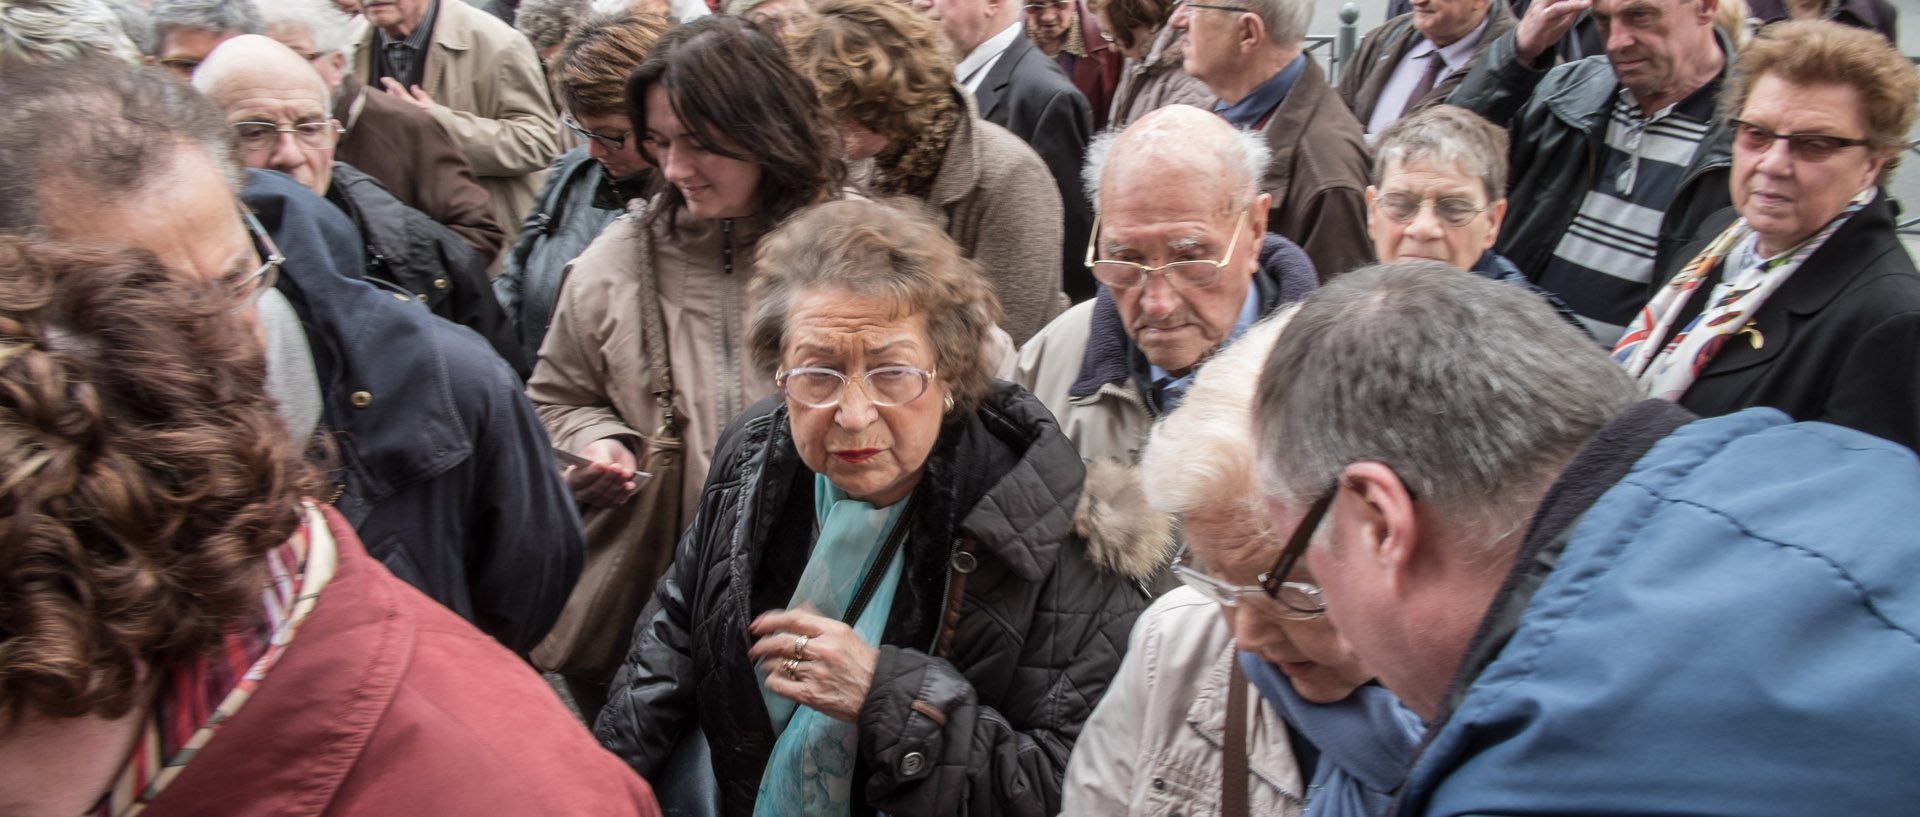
(1803,297)
(1243,633)
(902,593)
(1439,193)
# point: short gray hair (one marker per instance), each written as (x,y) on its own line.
(1473,391)
(212,16)
(57,30)
(331,31)
(1200,458)
(1183,133)
(548,22)
(99,129)
(1286,20)
(1445,134)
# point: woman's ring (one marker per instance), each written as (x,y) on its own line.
(800,646)
(793,669)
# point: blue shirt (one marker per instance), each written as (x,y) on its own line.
(1167,389)
(1247,113)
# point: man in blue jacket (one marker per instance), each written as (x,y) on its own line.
(439,462)
(1600,606)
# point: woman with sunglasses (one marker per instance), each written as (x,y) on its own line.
(1803,298)
(1439,193)
(902,592)
(1247,631)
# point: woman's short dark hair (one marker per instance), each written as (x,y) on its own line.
(591,69)
(732,88)
(143,473)
(873,250)
(1127,15)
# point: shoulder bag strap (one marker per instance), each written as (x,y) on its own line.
(1233,762)
(653,333)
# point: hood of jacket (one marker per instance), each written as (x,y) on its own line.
(1284,276)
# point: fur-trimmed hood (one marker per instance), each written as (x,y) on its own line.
(1123,533)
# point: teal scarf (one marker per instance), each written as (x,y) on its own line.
(811,770)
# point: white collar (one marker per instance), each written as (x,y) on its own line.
(973,69)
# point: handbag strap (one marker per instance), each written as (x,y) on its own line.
(1233,763)
(653,332)
(878,570)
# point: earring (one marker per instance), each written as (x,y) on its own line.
(946,404)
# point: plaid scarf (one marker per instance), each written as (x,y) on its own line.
(1668,371)
(196,698)
(907,167)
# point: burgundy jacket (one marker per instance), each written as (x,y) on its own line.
(1097,75)
(385,704)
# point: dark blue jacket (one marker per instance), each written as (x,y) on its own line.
(444,470)
(1726,624)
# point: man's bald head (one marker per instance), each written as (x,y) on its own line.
(1184,142)
(278,105)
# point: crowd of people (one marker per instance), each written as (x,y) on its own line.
(843,407)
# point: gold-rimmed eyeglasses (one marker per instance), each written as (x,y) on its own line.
(1197,273)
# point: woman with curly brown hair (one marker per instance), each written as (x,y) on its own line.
(180,631)
(886,74)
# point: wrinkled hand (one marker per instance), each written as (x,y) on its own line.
(609,480)
(415,96)
(837,667)
(1545,23)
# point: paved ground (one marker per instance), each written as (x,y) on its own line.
(1906,182)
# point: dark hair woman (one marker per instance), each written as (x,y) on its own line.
(740,143)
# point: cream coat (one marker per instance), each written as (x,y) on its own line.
(1111,423)
(1153,746)
(490,94)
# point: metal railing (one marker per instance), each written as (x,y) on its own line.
(1339,46)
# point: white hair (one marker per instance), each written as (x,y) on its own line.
(1286,20)
(212,16)
(254,54)
(1184,134)
(330,30)
(55,30)
(1200,458)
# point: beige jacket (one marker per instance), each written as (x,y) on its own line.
(1152,747)
(490,93)
(1111,423)
(985,198)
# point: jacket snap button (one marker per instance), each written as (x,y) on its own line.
(422,297)
(439,283)
(913,763)
(964,562)
(1159,783)
(362,399)
(401,297)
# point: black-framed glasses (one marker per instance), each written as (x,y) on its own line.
(257,137)
(1234,9)
(1453,212)
(247,289)
(604,141)
(1299,601)
(1274,582)
(1185,275)
(1807,147)
(885,386)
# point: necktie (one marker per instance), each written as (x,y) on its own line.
(1434,65)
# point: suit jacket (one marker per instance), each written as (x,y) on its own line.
(1026,92)
(1380,52)
(417,161)
(490,93)
(1838,342)
(1318,176)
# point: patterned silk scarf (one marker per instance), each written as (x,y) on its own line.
(195,699)
(811,770)
(1666,372)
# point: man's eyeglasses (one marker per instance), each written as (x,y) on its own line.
(258,137)
(885,386)
(1274,582)
(1234,9)
(605,142)
(1400,207)
(247,289)
(1185,275)
(1807,147)
(1299,601)
(1050,4)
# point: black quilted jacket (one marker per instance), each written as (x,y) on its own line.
(975,718)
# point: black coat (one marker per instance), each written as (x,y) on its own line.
(1026,92)
(1839,341)
(1037,634)
(444,470)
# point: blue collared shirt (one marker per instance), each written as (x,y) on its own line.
(1247,113)
(1167,389)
